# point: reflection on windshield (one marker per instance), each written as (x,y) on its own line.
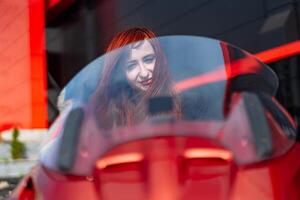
(130,77)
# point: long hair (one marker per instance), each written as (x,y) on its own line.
(118,103)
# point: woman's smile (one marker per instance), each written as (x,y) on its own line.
(146,82)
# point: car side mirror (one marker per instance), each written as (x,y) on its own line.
(70,138)
(259,124)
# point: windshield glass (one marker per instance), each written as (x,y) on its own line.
(172,86)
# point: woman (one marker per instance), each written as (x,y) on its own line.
(135,69)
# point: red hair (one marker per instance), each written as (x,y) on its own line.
(117,103)
(129,36)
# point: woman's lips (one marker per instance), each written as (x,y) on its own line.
(146,82)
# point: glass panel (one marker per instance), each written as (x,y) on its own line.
(168,86)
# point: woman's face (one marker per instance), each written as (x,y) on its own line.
(140,65)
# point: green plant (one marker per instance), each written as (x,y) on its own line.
(17,148)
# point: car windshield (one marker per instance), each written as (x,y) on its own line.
(183,86)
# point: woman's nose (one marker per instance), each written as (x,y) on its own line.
(144,72)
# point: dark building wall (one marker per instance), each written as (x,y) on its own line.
(80,33)
(249,24)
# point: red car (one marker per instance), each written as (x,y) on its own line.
(218,133)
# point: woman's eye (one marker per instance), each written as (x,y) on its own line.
(149,60)
(131,66)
